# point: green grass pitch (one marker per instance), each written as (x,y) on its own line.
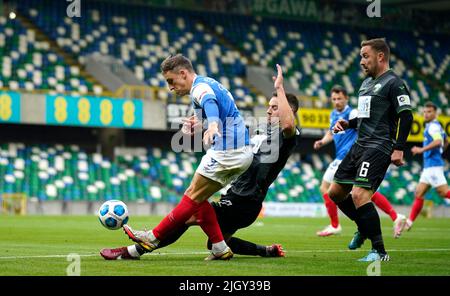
(39,245)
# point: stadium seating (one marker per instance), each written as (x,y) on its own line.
(62,172)
(141,39)
(68,173)
(315,55)
(29,64)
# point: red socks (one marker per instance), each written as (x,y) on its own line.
(177,217)
(332,210)
(416,208)
(383,203)
(418,205)
(205,214)
(206,217)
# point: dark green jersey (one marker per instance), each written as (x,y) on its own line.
(379,103)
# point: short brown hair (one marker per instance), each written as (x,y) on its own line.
(430,105)
(379,45)
(339,89)
(175,63)
(292,100)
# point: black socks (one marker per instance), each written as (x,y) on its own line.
(369,223)
(367,219)
(242,247)
(140,249)
(348,207)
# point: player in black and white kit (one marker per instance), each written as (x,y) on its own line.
(242,203)
(383,100)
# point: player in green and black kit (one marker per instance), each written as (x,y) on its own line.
(242,203)
(383,101)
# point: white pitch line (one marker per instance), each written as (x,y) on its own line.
(361,250)
(96,254)
(45,256)
(203,253)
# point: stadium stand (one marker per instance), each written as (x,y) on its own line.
(315,55)
(66,172)
(30,64)
(319,55)
(141,39)
(44,51)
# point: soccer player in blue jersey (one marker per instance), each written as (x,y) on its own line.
(343,141)
(434,143)
(229,156)
(242,203)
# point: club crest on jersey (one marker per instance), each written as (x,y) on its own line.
(403,100)
(376,87)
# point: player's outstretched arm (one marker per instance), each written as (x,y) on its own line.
(419,150)
(287,119)
(327,138)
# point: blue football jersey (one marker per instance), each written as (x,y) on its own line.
(234,133)
(433,157)
(343,141)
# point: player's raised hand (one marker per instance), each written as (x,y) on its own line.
(208,136)
(278,80)
(340,126)
(397,158)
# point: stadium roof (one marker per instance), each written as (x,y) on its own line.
(420,4)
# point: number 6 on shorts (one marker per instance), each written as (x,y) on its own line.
(364,169)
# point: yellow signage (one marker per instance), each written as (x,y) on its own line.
(320,119)
(314,118)
(418,126)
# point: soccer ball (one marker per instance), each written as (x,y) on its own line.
(113,214)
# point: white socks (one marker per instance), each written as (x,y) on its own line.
(219,247)
(133,251)
(153,238)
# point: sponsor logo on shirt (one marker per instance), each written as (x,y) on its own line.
(403,100)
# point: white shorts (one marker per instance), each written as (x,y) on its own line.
(331,170)
(225,166)
(433,176)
